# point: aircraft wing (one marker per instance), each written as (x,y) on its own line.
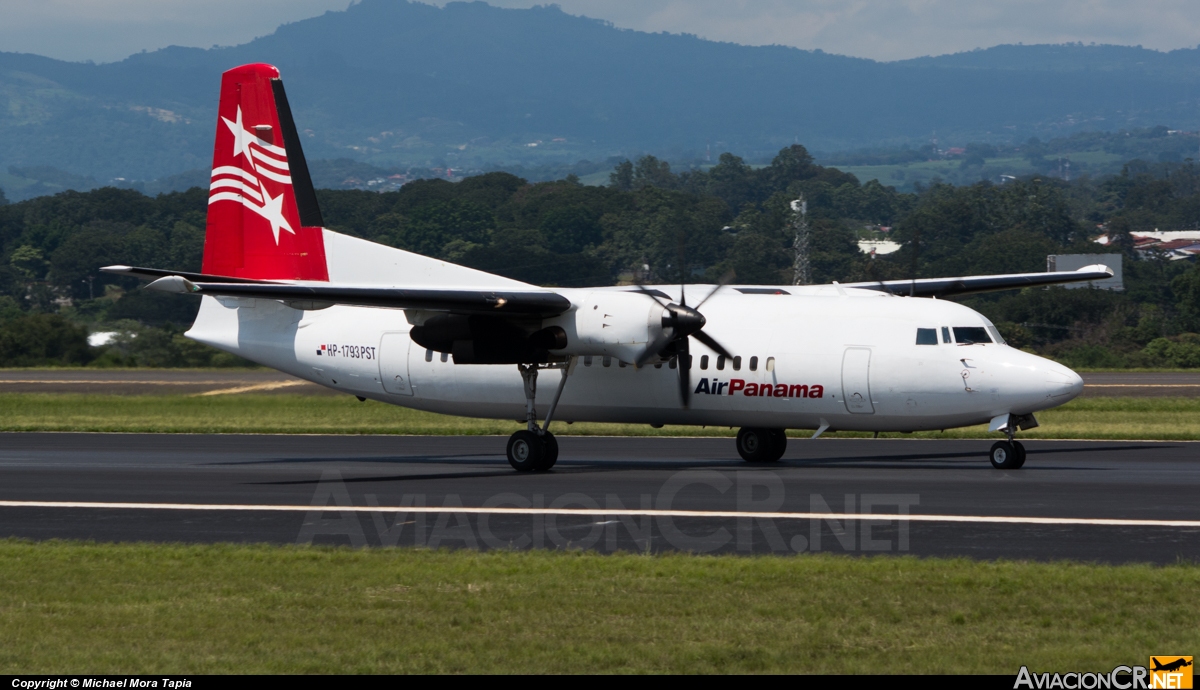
(451,300)
(966,285)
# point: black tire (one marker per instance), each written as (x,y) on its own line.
(1020,448)
(1003,456)
(525,450)
(549,452)
(778,444)
(755,444)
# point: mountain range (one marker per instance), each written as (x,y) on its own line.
(397,83)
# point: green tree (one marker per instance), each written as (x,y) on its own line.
(622,176)
(33,340)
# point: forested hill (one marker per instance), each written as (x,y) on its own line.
(398,83)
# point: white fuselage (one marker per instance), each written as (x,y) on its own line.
(827,356)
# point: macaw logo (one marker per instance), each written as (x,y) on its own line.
(244,185)
(759,390)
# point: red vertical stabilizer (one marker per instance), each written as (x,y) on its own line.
(263,219)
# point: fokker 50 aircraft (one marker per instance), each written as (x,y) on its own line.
(380,323)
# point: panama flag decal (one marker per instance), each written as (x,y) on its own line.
(255,228)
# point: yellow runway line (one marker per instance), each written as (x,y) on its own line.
(256,387)
(115,382)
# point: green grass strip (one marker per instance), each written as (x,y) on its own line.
(1085,418)
(135,608)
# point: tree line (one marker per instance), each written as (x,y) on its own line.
(649,224)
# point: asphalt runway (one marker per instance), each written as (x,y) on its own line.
(1091,501)
(233,381)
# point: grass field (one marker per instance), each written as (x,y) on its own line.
(1085,418)
(135,608)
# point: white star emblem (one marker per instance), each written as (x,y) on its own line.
(241,142)
(272,211)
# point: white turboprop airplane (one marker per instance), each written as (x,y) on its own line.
(278,288)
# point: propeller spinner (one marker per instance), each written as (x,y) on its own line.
(683,322)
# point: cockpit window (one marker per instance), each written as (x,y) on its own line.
(994,332)
(927,336)
(968,335)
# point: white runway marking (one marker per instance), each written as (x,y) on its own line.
(602,512)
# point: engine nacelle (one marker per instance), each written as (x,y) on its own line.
(614,323)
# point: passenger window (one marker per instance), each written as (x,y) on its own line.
(587,360)
(927,336)
(720,362)
(754,364)
(445,356)
(770,364)
(737,363)
(703,361)
(945,335)
(969,335)
(429,355)
(607,361)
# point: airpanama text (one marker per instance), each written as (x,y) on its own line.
(762,390)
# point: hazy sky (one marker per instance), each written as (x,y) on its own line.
(107,30)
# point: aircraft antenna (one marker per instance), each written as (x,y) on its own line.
(801,274)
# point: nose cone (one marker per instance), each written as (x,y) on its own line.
(1064,384)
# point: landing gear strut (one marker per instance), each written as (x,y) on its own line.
(535,448)
(756,444)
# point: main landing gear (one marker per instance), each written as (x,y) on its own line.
(756,444)
(535,448)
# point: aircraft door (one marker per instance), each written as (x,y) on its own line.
(393,363)
(856,389)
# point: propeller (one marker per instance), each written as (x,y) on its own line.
(683,322)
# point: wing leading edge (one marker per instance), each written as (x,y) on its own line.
(453,301)
(966,285)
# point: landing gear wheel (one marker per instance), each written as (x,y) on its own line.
(549,452)
(1004,456)
(755,444)
(526,451)
(1017,446)
(778,444)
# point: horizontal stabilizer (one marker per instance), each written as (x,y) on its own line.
(966,285)
(156,273)
(455,301)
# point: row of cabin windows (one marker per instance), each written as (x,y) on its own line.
(735,362)
(963,335)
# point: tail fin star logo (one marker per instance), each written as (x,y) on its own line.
(244,185)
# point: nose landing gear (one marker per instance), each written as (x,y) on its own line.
(1007,455)
(535,448)
(1010,454)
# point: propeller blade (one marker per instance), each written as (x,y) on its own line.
(685,373)
(712,344)
(642,289)
(725,280)
(648,354)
